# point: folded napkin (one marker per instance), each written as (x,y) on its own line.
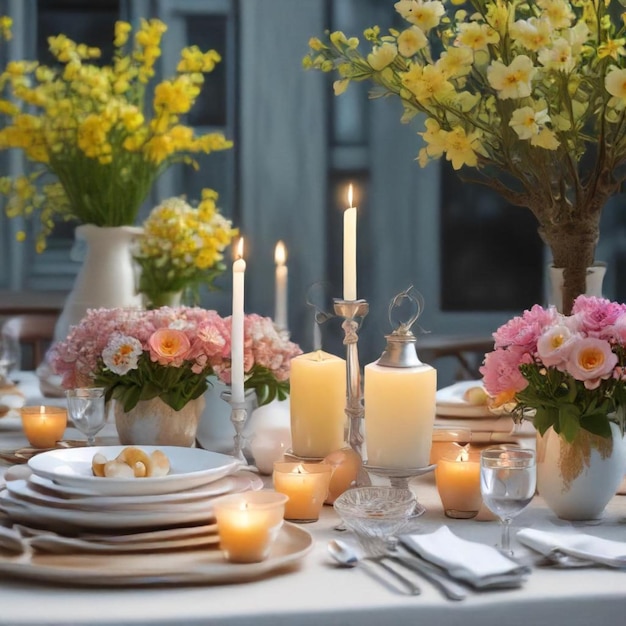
(474,563)
(586,547)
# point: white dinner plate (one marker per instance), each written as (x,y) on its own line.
(31,491)
(178,567)
(190,467)
(450,401)
(155,515)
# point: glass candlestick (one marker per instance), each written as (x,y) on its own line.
(353,312)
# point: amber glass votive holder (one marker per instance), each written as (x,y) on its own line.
(306,485)
(43,425)
(458,484)
(248,524)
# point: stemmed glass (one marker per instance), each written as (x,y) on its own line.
(85,406)
(508,478)
(10,354)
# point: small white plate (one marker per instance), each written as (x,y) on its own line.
(190,467)
(178,567)
(450,401)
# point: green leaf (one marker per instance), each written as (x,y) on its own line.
(569,421)
(597,424)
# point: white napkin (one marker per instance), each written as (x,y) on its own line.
(475,563)
(587,547)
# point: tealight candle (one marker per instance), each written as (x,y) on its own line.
(43,425)
(458,484)
(306,485)
(248,524)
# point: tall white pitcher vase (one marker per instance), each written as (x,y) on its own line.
(107,277)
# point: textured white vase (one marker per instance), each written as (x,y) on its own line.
(107,276)
(577,484)
(154,423)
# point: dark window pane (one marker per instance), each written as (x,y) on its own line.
(91,23)
(491,253)
(209,33)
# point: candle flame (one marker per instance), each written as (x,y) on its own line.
(239,252)
(350,197)
(42,410)
(463,454)
(280,253)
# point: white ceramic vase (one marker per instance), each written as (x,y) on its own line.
(595,278)
(154,423)
(107,276)
(578,480)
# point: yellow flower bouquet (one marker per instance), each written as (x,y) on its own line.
(181,247)
(89,126)
(527,97)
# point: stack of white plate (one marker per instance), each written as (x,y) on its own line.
(63,506)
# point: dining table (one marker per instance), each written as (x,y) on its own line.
(315,590)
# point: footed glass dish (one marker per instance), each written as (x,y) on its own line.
(375,512)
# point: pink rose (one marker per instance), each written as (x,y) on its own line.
(501,375)
(553,346)
(168,346)
(591,360)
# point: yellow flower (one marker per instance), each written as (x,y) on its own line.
(424,14)
(558,12)
(533,34)
(613,48)
(411,41)
(462,149)
(382,56)
(514,80)
(427,83)
(477,36)
(122,31)
(558,57)
(527,122)
(6,24)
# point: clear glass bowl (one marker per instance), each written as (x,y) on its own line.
(375,512)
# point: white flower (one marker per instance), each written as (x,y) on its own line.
(527,122)
(514,80)
(121,353)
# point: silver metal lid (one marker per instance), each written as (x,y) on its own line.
(400,350)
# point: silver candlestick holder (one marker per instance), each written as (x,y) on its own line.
(353,312)
(238,417)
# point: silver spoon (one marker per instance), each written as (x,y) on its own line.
(345,555)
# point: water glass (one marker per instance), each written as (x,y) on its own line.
(508,478)
(10,355)
(86,409)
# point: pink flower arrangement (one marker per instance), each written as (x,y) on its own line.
(169,353)
(568,371)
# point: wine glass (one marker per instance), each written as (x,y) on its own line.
(508,478)
(85,406)
(10,355)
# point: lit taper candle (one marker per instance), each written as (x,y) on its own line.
(280,303)
(236,348)
(349,249)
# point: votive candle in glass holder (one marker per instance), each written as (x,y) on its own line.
(306,485)
(248,524)
(458,484)
(43,425)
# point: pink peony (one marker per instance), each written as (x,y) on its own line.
(501,374)
(524,331)
(593,316)
(591,360)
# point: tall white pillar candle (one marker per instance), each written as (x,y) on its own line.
(399,415)
(349,250)
(237,319)
(280,295)
(317,404)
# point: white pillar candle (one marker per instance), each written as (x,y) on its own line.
(349,250)
(317,404)
(280,295)
(236,348)
(399,414)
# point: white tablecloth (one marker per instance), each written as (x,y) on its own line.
(318,592)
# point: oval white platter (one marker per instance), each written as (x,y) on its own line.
(179,567)
(190,467)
